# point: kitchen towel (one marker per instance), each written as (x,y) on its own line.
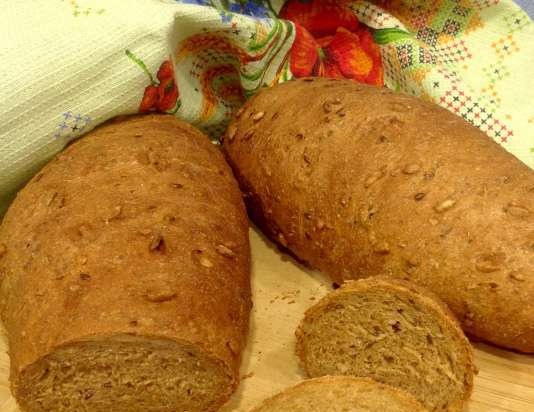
(70,65)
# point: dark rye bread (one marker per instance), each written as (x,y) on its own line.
(126,274)
(393,332)
(341,394)
(359,181)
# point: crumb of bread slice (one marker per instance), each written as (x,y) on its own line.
(134,374)
(341,394)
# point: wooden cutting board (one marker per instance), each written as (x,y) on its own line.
(282,291)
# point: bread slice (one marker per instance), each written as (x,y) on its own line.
(393,332)
(341,394)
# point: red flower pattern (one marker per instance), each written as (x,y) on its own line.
(330,42)
(161,97)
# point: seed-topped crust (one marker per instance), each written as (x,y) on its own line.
(394,179)
(126,274)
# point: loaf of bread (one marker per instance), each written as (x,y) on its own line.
(341,394)
(393,332)
(359,181)
(125,266)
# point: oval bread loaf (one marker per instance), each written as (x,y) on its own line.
(340,394)
(393,332)
(359,181)
(126,274)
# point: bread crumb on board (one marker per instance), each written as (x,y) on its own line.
(288,296)
(247,376)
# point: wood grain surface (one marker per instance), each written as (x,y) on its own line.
(282,291)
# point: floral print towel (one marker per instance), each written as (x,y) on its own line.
(69,65)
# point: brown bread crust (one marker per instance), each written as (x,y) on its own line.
(137,229)
(359,181)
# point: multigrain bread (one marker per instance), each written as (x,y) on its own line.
(360,181)
(393,332)
(126,274)
(341,394)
